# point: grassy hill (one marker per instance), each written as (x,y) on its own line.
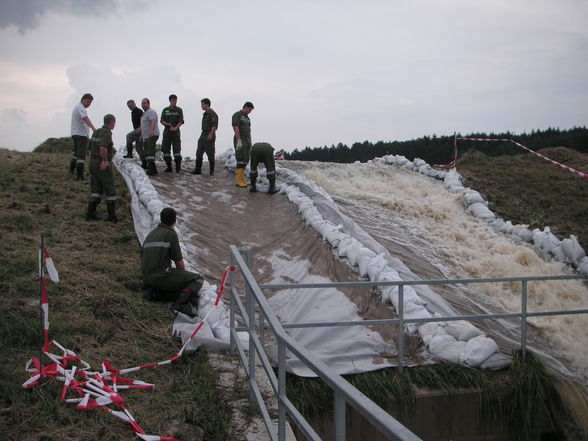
(96,310)
(526,189)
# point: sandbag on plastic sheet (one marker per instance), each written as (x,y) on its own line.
(376,265)
(452,182)
(572,249)
(545,240)
(583,265)
(430,330)
(472,196)
(477,350)
(462,330)
(447,348)
(363,260)
(481,211)
(523,233)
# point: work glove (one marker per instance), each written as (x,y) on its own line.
(239,144)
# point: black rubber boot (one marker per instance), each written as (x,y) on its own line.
(143,164)
(211,161)
(72,165)
(198,166)
(91,211)
(184,303)
(151,168)
(111,208)
(272,187)
(178,165)
(168,163)
(253,179)
(80,171)
(129,152)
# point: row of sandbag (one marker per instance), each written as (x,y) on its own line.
(457,341)
(566,251)
(147,196)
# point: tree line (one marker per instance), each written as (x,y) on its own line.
(439,149)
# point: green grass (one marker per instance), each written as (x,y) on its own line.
(96,310)
(517,398)
(526,189)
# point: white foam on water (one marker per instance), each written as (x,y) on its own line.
(418,211)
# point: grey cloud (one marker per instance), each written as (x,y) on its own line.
(13,117)
(27,15)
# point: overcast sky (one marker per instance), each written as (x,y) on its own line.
(318,72)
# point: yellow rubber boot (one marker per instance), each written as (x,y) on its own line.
(240,178)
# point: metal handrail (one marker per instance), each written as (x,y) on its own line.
(344,393)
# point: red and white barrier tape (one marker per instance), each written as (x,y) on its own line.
(95,389)
(565,167)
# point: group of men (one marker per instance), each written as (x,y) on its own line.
(161,247)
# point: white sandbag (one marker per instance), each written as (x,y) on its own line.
(419,162)
(583,265)
(364,259)
(462,330)
(344,244)
(559,255)
(401,160)
(447,348)
(545,240)
(523,233)
(481,211)
(376,265)
(472,196)
(477,350)
(430,330)
(497,223)
(496,361)
(572,249)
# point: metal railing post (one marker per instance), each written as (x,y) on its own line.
(232,345)
(400,327)
(281,390)
(524,319)
(250,304)
(340,422)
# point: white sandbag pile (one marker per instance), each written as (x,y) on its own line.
(145,204)
(464,344)
(570,253)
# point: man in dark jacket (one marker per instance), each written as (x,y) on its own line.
(135,135)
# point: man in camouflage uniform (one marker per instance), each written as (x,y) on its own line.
(242,141)
(160,248)
(172,117)
(80,123)
(207,137)
(101,175)
(263,152)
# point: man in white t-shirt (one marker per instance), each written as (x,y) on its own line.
(149,134)
(80,123)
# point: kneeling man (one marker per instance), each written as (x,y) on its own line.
(160,248)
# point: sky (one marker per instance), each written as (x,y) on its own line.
(318,72)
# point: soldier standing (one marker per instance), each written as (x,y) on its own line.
(149,135)
(160,248)
(207,137)
(242,141)
(263,152)
(172,118)
(135,135)
(79,135)
(101,175)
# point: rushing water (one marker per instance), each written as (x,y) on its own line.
(425,226)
